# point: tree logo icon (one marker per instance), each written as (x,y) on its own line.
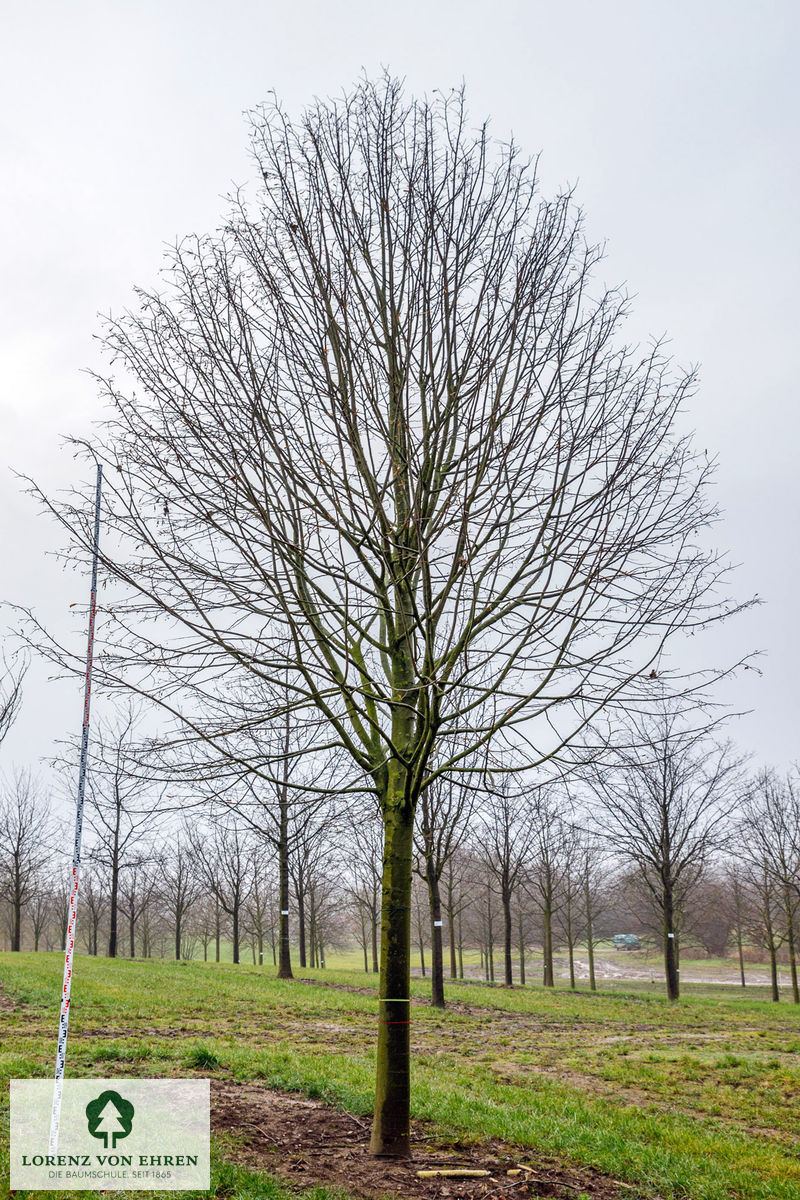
(109,1117)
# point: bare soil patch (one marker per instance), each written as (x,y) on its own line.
(6,1003)
(307,1143)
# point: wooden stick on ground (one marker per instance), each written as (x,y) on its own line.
(454,1173)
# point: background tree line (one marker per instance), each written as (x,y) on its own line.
(661,834)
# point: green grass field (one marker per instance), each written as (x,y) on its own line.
(699,1099)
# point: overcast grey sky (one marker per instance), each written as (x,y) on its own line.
(122,128)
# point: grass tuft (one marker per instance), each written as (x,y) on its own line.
(202,1058)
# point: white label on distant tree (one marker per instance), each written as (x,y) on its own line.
(285,913)
(437,922)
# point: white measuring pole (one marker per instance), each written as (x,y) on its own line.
(63,1024)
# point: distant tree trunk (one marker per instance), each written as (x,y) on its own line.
(16,940)
(670,949)
(312,927)
(301,914)
(773,970)
(114,897)
(375,920)
(217,924)
(589,931)
(177,934)
(285,964)
(737,899)
(437,957)
(790,941)
(364,939)
(460,949)
(451,927)
(506,902)
(521,949)
(489,933)
(570,943)
(131,930)
(235,919)
(547,966)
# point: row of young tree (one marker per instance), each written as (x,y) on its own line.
(664,837)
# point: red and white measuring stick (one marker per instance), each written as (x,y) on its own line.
(63,1024)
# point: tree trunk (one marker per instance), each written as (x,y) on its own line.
(460,950)
(132,932)
(451,928)
(235,916)
(16,941)
(113,912)
(177,935)
(506,900)
(390,1127)
(670,950)
(489,936)
(217,924)
(521,949)
(437,957)
(312,927)
(114,897)
(364,940)
(375,917)
(790,941)
(548,972)
(589,936)
(285,964)
(301,916)
(740,948)
(773,971)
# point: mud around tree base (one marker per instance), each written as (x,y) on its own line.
(306,1143)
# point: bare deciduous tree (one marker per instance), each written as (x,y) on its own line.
(771,839)
(25,845)
(379,436)
(442,825)
(180,885)
(121,805)
(664,799)
(503,835)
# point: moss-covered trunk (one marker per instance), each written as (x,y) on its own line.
(390,1127)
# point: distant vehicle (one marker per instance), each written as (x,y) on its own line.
(627,941)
